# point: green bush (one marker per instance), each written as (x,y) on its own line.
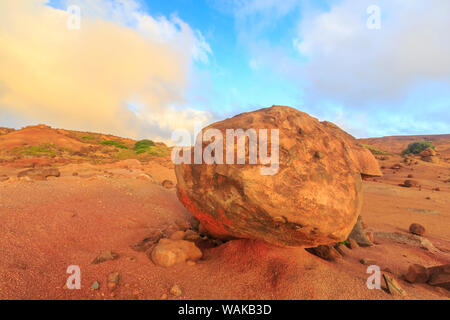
(143,146)
(418,147)
(114,143)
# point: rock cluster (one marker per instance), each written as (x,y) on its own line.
(429,155)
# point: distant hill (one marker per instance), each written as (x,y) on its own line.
(44,141)
(396,144)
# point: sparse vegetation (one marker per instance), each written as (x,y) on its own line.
(158,151)
(117,144)
(47,150)
(143,146)
(375,150)
(418,147)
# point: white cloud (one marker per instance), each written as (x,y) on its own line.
(352,64)
(84,79)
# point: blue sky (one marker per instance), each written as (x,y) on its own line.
(317,56)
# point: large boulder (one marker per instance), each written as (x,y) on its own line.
(314,198)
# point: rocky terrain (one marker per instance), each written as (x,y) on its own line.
(112,206)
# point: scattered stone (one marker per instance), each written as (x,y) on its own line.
(417,229)
(3,177)
(39,174)
(393,286)
(440,276)
(170,252)
(167,184)
(352,244)
(437,189)
(191,263)
(417,274)
(359,235)
(105,256)
(148,242)
(205,189)
(342,249)
(175,291)
(326,252)
(164,296)
(410,176)
(75,174)
(95,285)
(396,166)
(408,239)
(368,261)
(409,184)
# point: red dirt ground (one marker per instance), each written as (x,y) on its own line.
(45,226)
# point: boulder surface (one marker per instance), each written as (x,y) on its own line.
(314,198)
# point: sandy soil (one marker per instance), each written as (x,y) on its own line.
(46,226)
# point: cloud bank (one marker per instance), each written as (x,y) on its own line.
(124,72)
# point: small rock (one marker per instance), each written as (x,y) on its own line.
(417,229)
(95,286)
(3,177)
(440,276)
(410,176)
(39,174)
(105,256)
(368,261)
(177,235)
(191,263)
(393,286)
(148,242)
(352,244)
(175,291)
(342,249)
(410,184)
(325,252)
(167,184)
(170,252)
(359,235)
(164,296)
(417,274)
